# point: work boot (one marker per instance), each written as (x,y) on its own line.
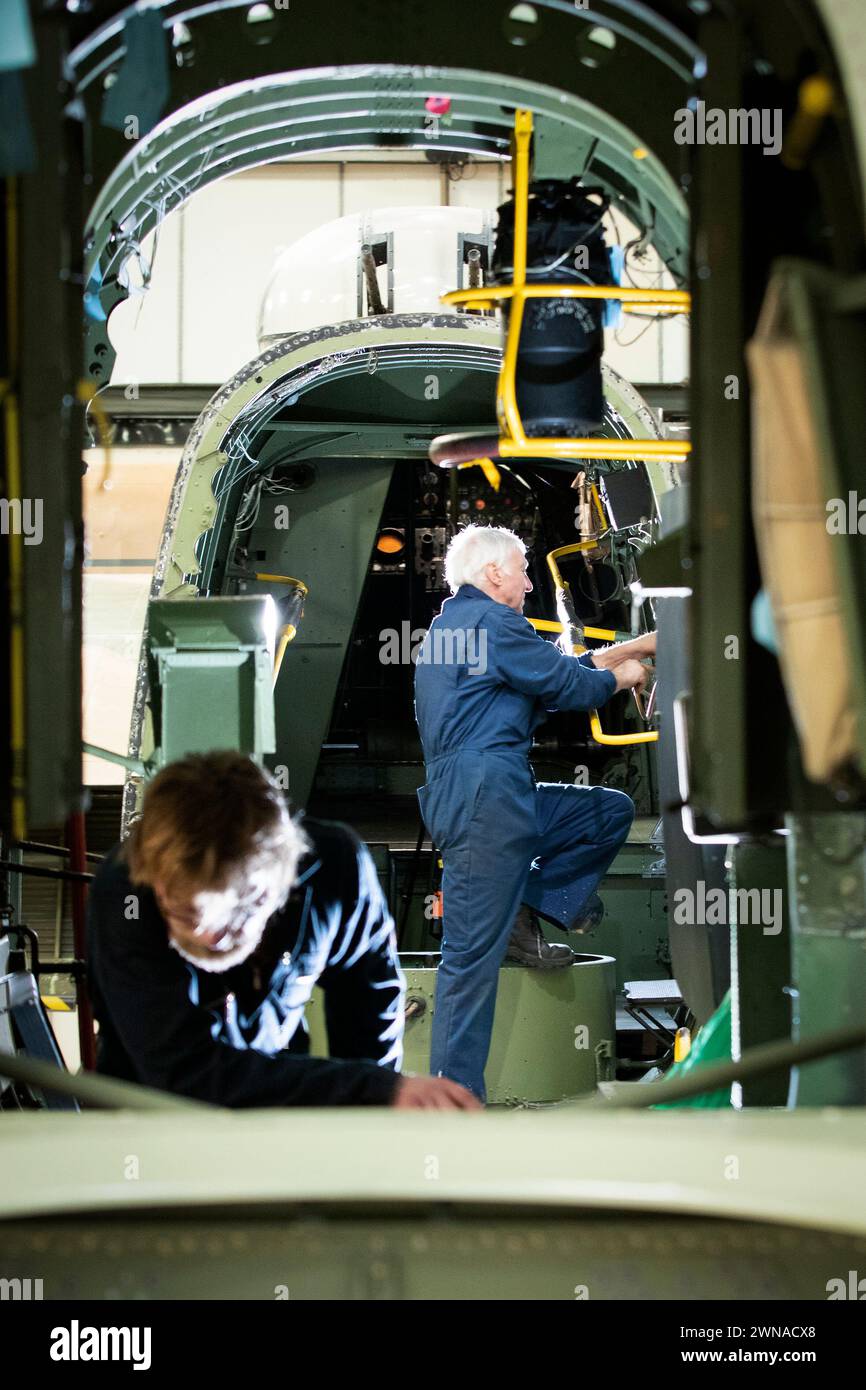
(590,916)
(528,946)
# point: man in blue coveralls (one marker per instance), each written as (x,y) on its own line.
(511,848)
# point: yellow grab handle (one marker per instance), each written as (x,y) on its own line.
(602,634)
(488,468)
(617,740)
(612,740)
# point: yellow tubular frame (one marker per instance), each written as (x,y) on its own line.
(617,740)
(282,579)
(601,633)
(614,740)
(488,468)
(513,442)
(286,634)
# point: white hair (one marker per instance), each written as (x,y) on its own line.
(475,547)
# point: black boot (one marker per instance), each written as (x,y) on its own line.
(528,946)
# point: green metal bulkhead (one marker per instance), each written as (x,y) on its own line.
(827,896)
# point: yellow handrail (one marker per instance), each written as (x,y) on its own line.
(490,295)
(488,468)
(601,634)
(615,740)
(282,579)
(513,442)
(287,635)
(288,632)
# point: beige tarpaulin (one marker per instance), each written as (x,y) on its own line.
(789,508)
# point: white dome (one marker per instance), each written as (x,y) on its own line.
(315,281)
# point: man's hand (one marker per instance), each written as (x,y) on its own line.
(630,674)
(636,649)
(433,1093)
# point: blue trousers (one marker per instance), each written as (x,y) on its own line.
(505,840)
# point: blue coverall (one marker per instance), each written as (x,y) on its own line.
(484,681)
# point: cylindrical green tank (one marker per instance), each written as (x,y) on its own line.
(554,1034)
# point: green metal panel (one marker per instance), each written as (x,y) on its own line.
(761,963)
(229,702)
(211,665)
(635,927)
(827,887)
(554,1031)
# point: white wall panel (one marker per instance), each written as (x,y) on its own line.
(234,231)
(391,186)
(482,186)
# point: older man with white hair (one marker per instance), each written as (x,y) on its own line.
(512,849)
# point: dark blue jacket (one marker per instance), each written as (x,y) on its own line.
(485,680)
(222,1037)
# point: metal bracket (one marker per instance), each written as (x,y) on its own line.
(375,251)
